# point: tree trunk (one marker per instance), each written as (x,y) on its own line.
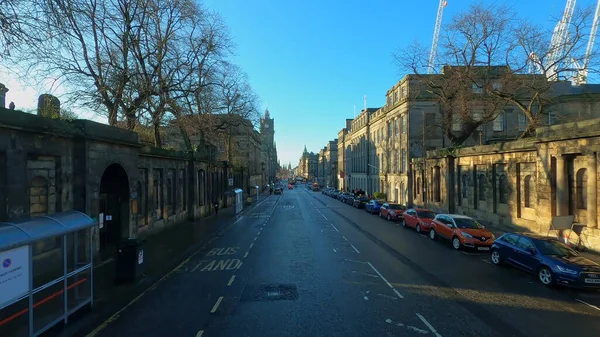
(157,138)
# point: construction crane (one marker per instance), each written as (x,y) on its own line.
(436,36)
(582,73)
(559,41)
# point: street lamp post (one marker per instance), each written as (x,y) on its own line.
(262,180)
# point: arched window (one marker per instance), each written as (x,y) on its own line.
(437,184)
(581,188)
(38,196)
(527,191)
(481,187)
(502,189)
(465,186)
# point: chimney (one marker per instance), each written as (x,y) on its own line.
(3,91)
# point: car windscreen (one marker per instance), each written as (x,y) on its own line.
(554,247)
(396,206)
(467,223)
(426,214)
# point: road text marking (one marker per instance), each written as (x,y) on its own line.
(385,280)
(245,255)
(251,245)
(344,238)
(200,333)
(334,250)
(324,217)
(218,265)
(216,306)
(388,296)
(428,325)
(409,327)
(223,251)
(350,260)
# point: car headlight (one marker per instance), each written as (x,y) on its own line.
(467,235)
(567,270)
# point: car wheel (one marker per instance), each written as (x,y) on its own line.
(456,243)
(419,229)
(389,217)
(432,234)
(495,257)
(545,276)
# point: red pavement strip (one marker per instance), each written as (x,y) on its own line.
(45,300)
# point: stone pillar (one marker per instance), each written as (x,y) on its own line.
(592,191)
(48,106)
(562,186)
(3,91)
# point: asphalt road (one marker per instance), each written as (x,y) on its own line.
(304,264)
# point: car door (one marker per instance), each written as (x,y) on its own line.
(410,217)
(384,209)
(525,254)
(508,247)
(447,227)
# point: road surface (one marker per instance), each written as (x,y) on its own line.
(304,264)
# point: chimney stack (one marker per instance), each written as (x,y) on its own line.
(3,91)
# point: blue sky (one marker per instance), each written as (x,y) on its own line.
(311,61)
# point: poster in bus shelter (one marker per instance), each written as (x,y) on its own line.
(14,274)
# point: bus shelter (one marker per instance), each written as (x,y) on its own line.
(46,271)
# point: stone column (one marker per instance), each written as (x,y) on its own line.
(3,91)
(592,191)
(562,186)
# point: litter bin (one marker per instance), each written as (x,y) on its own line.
(130,262)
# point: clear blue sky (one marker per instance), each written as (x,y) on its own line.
(311,61)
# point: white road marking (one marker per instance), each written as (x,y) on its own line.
(366,298)
(231,279)
(246,255)
(251,245)
(196,267)
(486,261)
(334,227)
(356,250)
(256,237)
(344,238)
(238,220)
(385,280)
(428,325)
(216,306)
(350,260)
(589,305)
(258,233)
(200,333)
(366,274)
(324,217)
(388,296)
(334,250)
(409,327)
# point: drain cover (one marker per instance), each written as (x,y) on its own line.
(270,292)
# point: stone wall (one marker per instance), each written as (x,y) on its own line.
(51,165)
(521,184)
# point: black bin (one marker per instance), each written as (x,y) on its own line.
(131,260)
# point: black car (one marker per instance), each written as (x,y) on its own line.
(359,202)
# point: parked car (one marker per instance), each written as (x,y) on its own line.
(290,187)
(278,190)
(462,231)
(373,207)
(418,218)
(392,212)
(551,260)
(359,202)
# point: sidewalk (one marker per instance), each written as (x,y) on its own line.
(498,230)
(162,253)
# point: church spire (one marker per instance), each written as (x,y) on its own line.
(267,115)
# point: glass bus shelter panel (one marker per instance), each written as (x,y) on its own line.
(48,305)
(78,250)
(79,290)
(47,260)
(14,319)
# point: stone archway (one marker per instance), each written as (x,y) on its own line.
(114,206)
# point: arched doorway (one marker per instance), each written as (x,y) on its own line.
(114,206)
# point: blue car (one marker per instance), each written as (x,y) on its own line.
(373,207)
(551,260)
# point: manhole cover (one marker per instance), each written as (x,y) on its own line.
(270,292)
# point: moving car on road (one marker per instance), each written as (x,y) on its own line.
(551,260)
(278,190)
(392,212)
(418,218)
(462,231)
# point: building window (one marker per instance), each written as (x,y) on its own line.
(522,122)
(502,189)
(437,184)
(403,161)
(38,197)
(403,92)
(418,186)
(404,124)
(464,182)
(581,188)
(396,161)
(456,123)
(527,191)
(498,124)
(476,88)
(496,86)
(481,187)
(397,126)
(395,97)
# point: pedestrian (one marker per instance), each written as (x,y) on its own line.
(216,206)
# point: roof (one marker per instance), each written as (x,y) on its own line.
(26,231)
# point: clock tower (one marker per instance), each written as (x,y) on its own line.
(267,133)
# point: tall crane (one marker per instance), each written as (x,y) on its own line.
(582,73)
(436,36)
(559,41)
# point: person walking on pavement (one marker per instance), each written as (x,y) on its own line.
(216,206)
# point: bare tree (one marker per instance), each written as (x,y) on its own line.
(486,54)
(18,20)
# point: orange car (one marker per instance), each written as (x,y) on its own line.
(462,231)
(417,218)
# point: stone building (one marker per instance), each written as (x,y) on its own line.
(328,165)
(522,183)
(269,148)
(308,165)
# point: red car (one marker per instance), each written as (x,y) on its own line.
(290,187)
(418,218)
(392,212)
